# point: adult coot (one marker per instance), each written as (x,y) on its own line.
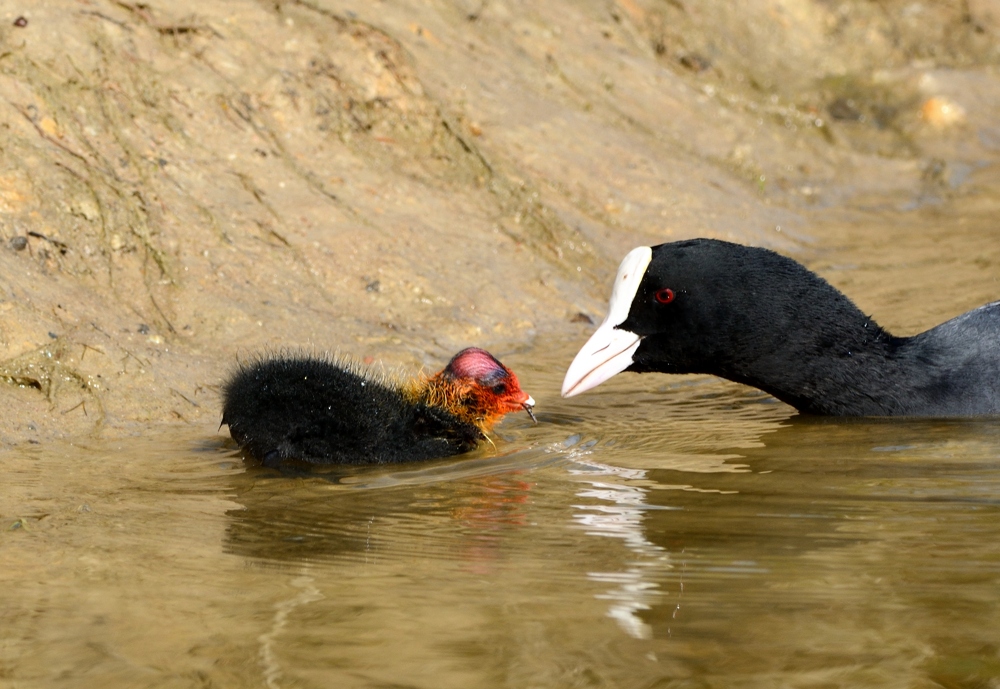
(759,318)
(333,412)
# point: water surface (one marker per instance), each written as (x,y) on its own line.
(656,532)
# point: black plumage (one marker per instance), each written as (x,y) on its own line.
(331,412)
(753,316)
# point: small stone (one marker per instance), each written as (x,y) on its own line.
(844,109)
(50,127)
(694,61)
(942,112)
(18,243)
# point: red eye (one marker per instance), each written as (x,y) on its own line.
(665,295)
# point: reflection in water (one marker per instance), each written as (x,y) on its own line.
(336,513)
(306,593)
(495,505)
(635,587)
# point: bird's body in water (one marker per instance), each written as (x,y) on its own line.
(755,317)
(321,411)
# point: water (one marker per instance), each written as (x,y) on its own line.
(656,532)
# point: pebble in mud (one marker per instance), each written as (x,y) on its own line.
(18,243)
(942,112)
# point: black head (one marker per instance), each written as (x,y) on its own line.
(703,303)
(705,306)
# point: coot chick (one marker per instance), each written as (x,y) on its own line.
(759,318)
(333,412)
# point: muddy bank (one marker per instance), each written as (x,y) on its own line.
(184,182)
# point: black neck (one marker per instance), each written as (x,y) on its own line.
(852,376)
(818,353)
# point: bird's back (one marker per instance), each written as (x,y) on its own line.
(956,365)
(322,411)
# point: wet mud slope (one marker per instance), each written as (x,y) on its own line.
(185,183)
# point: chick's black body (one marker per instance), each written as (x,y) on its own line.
(324,412)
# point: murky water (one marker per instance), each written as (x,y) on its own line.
(657,532)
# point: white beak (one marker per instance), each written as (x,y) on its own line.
(609,350)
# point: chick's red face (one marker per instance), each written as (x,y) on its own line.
(495,381)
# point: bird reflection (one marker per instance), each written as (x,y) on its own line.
(318,517)
(621,515)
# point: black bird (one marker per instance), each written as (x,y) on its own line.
(755,317)
(322,411)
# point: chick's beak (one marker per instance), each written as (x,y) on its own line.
(528,404)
